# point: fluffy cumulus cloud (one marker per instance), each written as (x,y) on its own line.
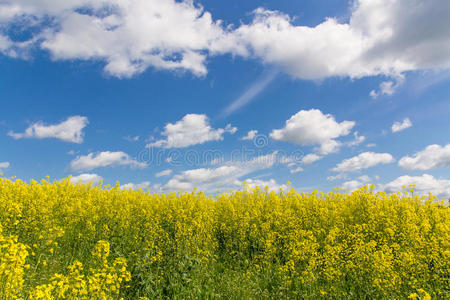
(70,130)
(388,87)
(192,129)
(380,37)
(129,36)
(205,179)
(250,135)
(399,126)
(433,156)
(87,178)
(363,161)
(312,127)
(355,184)
(351,185)
(270,184)
(227,175)
(104,159)
(424,184)
(328,147)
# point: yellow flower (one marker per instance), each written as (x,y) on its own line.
(86,239)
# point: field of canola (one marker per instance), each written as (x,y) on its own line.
(60,240)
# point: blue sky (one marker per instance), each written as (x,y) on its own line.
(318,93)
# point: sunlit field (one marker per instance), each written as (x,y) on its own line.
(61,240)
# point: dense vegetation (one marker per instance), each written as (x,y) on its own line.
(64,241)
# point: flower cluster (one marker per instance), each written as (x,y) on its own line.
(12,264)
(102,283)
(61,240)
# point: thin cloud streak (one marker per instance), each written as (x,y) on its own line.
(254,90)
(426,80)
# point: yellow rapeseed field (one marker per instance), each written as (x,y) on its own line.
(60,240)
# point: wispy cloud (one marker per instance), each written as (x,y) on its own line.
(422,81)
(163,173)
(131,138)
(254,90)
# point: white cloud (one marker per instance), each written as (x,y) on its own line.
(328,147)
(358,139)
(371,145)
(397,126)
(4,165)
(250,135)
(132,138)
(433,156)
(136,186)
(312,127)
(424,184)
(296,170)
(337,177)
(129,36)
(266,161)
(70,130)
(388,87)
(7,46)
(225,176)
(304,52)
(380,38)
(192,129)
(104,159)
(163,173)
(205,179)
(364,178)
(363,161)
(310,158)
(87,178)
(271,184)
(217,160)
(352,185)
